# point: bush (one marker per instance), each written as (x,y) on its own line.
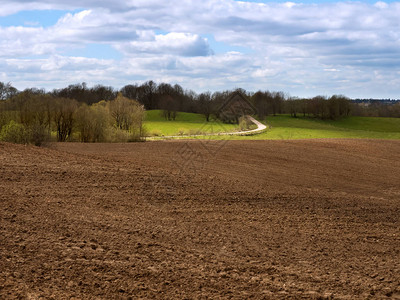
(244,124)
(135,135)
(38,134)
(145,132)
(195,132)
(14,133)
(181,131)
(155,132)
(92,123)
(116,135)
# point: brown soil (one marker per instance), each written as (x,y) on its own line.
(201,219)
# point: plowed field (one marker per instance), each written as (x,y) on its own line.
(201,219)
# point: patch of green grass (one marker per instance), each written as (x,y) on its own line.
(184,124)
(368,124)
(281,127)
(286,127)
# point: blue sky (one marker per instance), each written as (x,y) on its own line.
(303,48)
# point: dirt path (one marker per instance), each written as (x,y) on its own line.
(260,128)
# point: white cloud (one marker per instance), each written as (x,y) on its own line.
(293,47)
(181,44)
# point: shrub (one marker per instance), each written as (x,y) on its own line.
(155,132)
(92,123)
(14,133)
(195,132)
(38,134)
(181,131)
(244,124)
(116,135)
(135,135)
(145,132)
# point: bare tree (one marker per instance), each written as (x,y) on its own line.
(130,91)
(127,114)
(92,122)
(7,91)
(146,94)
(120,110)
(32,111)
(169,105)
(260,102)
(205,105)
(64,117)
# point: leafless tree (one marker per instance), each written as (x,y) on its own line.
(7,91)
(206,105)
(127,114)
(64,117)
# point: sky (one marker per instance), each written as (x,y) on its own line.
(303,48)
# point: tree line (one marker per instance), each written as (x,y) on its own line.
(173,98)
(376,108)
(102,113)
(32,116)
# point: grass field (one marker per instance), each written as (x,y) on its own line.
(281,127)
(286,127)
(185,124)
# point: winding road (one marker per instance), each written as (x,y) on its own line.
(260,128)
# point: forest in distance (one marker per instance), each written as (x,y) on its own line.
(158,96)
(104,114)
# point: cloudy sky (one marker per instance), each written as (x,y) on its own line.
(304,48)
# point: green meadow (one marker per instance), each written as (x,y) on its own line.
(184,124)
(280,127)
(286,127)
